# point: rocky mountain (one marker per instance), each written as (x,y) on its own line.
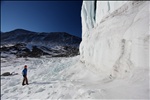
(45,39)
(24,43)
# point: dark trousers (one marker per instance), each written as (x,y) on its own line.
(25,80)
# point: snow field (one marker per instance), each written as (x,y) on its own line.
(65,78)
(43,75)
(113,62)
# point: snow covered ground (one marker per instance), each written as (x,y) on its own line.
(113,61)
(66,78)
(45,81)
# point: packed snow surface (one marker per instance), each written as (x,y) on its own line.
(44,76)
(113,61)
(66,78)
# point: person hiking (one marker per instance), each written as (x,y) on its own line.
(24,73)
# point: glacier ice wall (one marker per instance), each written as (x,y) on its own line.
(94,11)
(115,36)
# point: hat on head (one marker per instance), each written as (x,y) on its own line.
(25,66)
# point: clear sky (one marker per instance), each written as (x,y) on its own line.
(42,16)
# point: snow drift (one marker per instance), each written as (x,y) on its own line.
(115,37)
(113,64)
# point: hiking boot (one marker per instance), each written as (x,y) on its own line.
(23,84)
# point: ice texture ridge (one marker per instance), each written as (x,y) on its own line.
(115,37)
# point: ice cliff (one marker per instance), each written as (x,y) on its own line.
(115,37)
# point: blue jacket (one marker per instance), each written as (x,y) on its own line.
(24,72)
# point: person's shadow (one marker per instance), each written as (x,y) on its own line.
(41,83)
